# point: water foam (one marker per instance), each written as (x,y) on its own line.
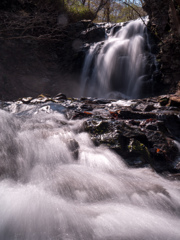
(118,66)
(47,193)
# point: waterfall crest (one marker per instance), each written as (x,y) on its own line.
(118,66)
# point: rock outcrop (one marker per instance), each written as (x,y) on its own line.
(165,25)
(145,132)
(42,52)
(43,57)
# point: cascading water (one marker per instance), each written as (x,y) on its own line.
(56,185)
(118,67)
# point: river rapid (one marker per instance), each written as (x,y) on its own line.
(56,185)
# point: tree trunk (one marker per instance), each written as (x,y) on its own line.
(108,11)
(175,18)
(89,4)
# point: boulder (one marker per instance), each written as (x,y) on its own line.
(95,34)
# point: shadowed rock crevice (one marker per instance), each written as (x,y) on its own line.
(165,25)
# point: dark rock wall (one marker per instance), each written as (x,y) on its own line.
(31,65)
(40,55)
(165,25)
(158,13)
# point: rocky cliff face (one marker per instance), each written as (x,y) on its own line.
(37,55)
(40,52)
(165,25)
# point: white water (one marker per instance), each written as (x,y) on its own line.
(117,69)
(47,194)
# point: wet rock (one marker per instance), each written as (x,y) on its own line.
(125,114)
(116,29)
(164,24)
(172,122)
(175,101)
(87,107)
(97,127)
(40,99)
(144,107)
(117,130)
(94,34)
(139,152)
(164,101)
(87,23)
(60,96)
(101,101)
(152,127)
(80,115)
(157,75)
(73,146)
(143,132)
(26,100)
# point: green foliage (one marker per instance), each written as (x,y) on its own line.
(77,11)
(129,13)
(120,12)
(140,149)
(74,9)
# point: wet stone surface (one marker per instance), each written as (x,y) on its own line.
(145,132)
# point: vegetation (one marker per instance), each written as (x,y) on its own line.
(97,10)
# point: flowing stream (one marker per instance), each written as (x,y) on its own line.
(56,185)
(121,66)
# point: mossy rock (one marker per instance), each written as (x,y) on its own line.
(97,127)
(164,101)
(138,149)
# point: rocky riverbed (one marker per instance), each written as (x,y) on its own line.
(145,132)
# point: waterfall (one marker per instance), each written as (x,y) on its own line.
(56,185)
(119,66)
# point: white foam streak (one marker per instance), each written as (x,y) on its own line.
(46,193)
(119,65)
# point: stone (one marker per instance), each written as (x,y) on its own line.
(125,114)
(164,25)
(143,132)
(60,96)
(140,151)
(95,34)
(175,101)
(164,101)
(26,100)
(144,107)
(73,146)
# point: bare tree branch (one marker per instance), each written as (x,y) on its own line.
(136,12)
(151,29)
(101,5)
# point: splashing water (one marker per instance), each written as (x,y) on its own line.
(117,67)
(56,185)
